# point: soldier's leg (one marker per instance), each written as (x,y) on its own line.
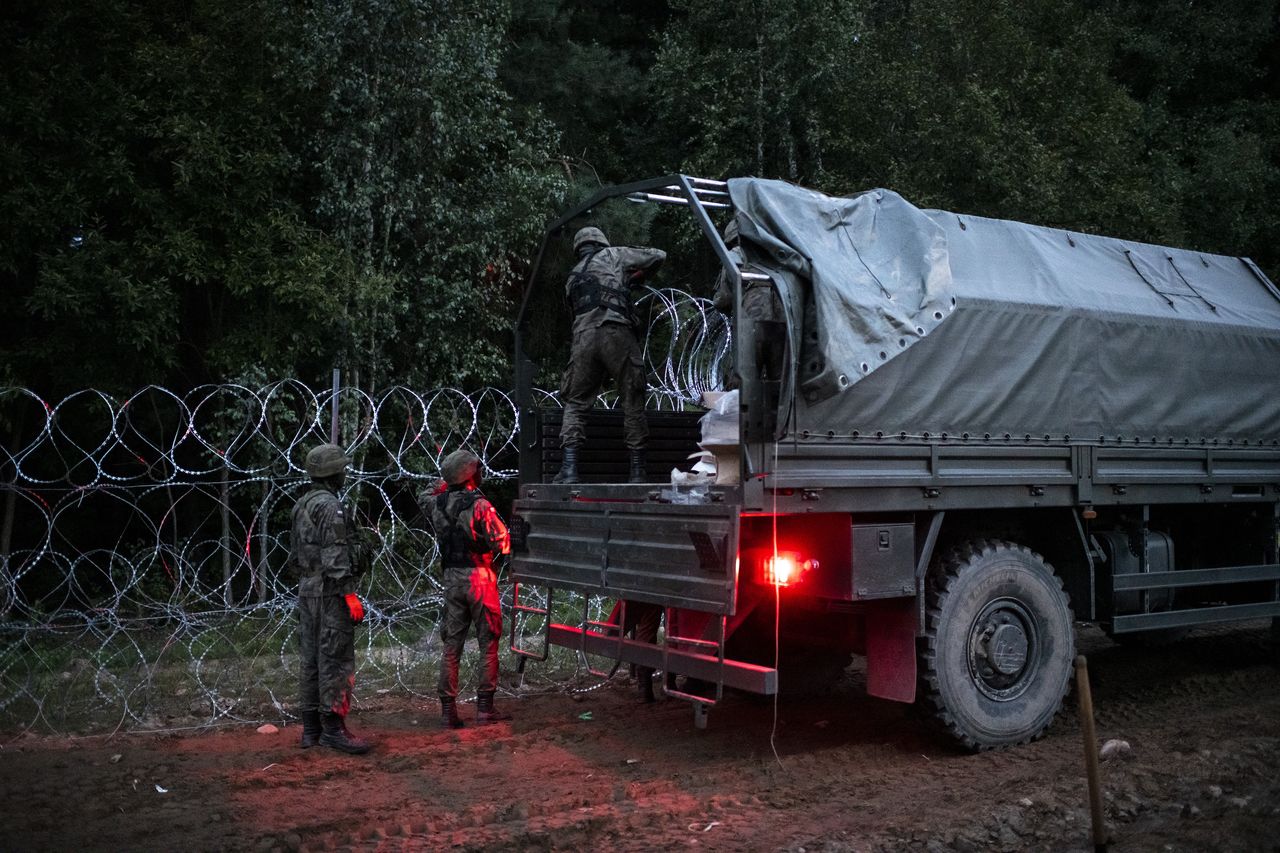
(337,659)
(577,393)
(486,613)
(622,354)
(453,633)
(646,619)
(309,669)
(337,675)
(580,385)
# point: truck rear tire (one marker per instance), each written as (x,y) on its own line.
(996,657)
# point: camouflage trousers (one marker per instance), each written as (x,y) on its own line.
(760,302)
(641,624)
(328,644)
(470,596)
(608,351)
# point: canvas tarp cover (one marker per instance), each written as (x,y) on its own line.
(991,327)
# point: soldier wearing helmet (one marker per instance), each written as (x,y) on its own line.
(760,303)
(325,556)
(605,344)
(470,534)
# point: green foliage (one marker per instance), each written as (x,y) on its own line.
(425,180)
(196,191)
(1090,116)
(1205,79)
(583,65)
(240,184)
(153,230)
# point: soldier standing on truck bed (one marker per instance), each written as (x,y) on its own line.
(760,302)
(470,534)
(605,343)
(327,556)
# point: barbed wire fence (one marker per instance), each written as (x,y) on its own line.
(143,540)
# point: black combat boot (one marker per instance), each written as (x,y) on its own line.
(310,728)
(568,467)
(335,735)
(638,473)
(449,713)
(485,712)
(645,683)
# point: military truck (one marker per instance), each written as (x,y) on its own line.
(984,432)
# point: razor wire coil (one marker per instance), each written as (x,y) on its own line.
(144,537)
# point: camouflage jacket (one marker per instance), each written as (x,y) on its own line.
(325,552)
(613,267)
(468,529)
(759,299)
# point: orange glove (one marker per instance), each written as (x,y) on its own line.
(354,607)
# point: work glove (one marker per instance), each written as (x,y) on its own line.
(354,607)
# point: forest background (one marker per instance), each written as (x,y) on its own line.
(232,190)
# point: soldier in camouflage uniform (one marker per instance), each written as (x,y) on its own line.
(470,535)
(605,344)
(759,302)
(327,556)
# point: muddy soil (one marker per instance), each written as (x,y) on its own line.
(598,771)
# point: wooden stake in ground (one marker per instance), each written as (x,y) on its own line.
(1091,755)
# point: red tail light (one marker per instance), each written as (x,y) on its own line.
(786,567)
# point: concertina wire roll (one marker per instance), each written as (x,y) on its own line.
(143,540)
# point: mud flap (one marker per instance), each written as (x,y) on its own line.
(891,650)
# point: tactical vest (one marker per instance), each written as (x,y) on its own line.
(453,529)
(587,292)
(305,556)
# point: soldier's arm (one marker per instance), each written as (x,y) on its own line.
(426,501)
(488,527)
(722,297)
(642,260)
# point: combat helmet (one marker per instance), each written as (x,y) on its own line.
(459,467)
(590,234)
(325,461)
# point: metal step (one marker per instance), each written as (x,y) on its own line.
(736,674)
(1195,577)
(1197,616)
(518,608)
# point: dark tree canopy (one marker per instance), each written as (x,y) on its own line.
(205,191)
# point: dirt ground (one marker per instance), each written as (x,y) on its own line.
(598,771)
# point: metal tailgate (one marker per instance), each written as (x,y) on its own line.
(675,555)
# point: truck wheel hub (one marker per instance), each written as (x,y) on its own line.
(1000,644)
(1007,649)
